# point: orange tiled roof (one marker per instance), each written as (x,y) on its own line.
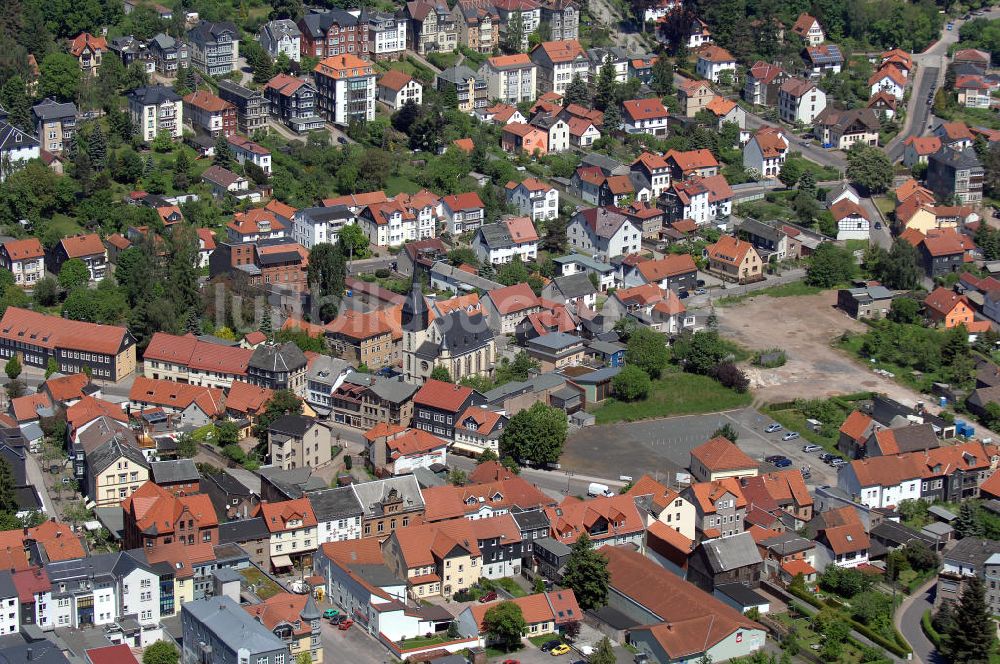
(79,246)
(394,79)
(707,493)
(856,425)
(246,398)
(720,454)
(442,395)
(171,394)
(19,250)
(278,515)
(85,40)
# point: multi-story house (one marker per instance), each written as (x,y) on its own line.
(389,504)
(386,36)
(209,113)
(534,199)
(809,30)
(10,622)
(842,129)
(735,259)
(295,620)
(362,401)
(88,50)
(762,82)
(765,152)
(974,91)
(87,248)
(508,306)
(186,359)
(694,96)
(501,545)
(563,19)
(953,173)
(297,441)
(405,218)
(278,367)
(432,28)
(530,16)
(664,505)
(317,225)
(612,56)
(396,88)
(215,47)
(156,518)
(168,54)
(510,78)
(645,116)
(246,150)
(800,101)
(130,49)
(720,507)
(325,375)
(114,471)
(653,172)
(841,538)
(334,32)
(479,24)
(714,61)
(219,630)
(498,243)
(369,339)
(17,148)
(607,520)
(822,59)
(558,63)
(156,109)
(392,450)
(282,36)
(101,589)
(55,124)
(293,101)
(108,351)
(338,514)
(718,459)
(25,259)
(462,212)
(470,88)
(437,407)
(293,528)
(604,231)
(970,557)
(345,88)
(435,559)
(251,106)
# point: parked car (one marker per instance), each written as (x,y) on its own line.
(783,463)
(775,458)
(511,661)
(560,649)
(346,625)
(771,428)
(337,620)
(791,435)
(330,613)
(701,291)
(838,462)
(811,448)
(549,645)
(826,457)
(487,597)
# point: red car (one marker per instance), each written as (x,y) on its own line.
(346,625)
(488,597)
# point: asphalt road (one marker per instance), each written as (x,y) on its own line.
(811,151)
(908,622)
(919,111)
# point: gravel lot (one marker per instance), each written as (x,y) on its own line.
(805,327)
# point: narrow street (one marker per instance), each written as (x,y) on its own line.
(908,623)
(36,479)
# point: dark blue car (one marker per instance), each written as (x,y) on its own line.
(783,463)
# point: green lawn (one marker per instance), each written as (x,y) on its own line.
(65,225)
(423,641)
(537,641)
(442,60)
(510,585)
(792,289)
(265,588)
(396,184)
(676,393)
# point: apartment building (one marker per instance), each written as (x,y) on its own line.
(55,124)
(558,63)
(210,114)
(215,47)
(251,106)
(345,87)
(293,528)
(186,359)
(156,109)
(25,259)
(510,78)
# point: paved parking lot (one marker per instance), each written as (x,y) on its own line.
(663,447)
(353,645)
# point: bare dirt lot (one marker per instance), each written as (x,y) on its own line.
(805,327)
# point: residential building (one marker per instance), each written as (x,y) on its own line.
(506,307)
(370,338)
(154,110)
(386,36)
(713,61)
(106,350)
(215,47)
(469,86)
(197,406)
(179,476)
(558,63)
(393,450)
(362,401)
(575,290)
(842,129)
(956,174)
(822,59)
(437,407)
(852,221)
(25,259)
(435,559)
(800,101)
(664,505)
(762,82)
(841,538)
(17,147)
(809,30)
(186,359)
(612,55)
(251,106)
(168,54)
(209,113)
(88,50)
(675,272)
(890,80)
(278,367)
(765,152)
(389,503)
(55,124)
(946,306)
(699,163)
(156,518)
(645,116)
(295,620)
(499,243)
(318,225)
(334,32)
(604,231)
(86,248)
(338,514)
(720,458)
(432,26)
(734,559)
(479,25)
(345,85)
(528,11)
(543,613)
(478,430)
(293,102)
(462,212)
(396,88)
(114,471)
(510,78)
(917,149)
(530,139)
(220,630)
(282,36)
(535,199)
(699,199)
(609,521)
(955,135)
(563,19)
(297,441)
(293,532)
(720,507)
(865,302)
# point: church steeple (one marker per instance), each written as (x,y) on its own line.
(415,316)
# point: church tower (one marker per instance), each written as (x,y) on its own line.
(414,319)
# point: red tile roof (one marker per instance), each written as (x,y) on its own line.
(729,250)
(668,266)
(713,53)
(442,395)
(188,351)
(89,409)
(247,398)
(413,441)
(721,454)
(645,109)
(467,201)
(451,502)
(944,300)
(278,515)
(394,79)
(856,425)
(705,494)
(573,517)
(26,408)
(67,388)
(178,396)
(691,160)
(19,250)
(206,101)
(511,299)
(86,40)
(79,246)
(29,327)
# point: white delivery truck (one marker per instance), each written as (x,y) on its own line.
(598,489)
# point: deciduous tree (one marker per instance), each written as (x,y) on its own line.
(505,624)
(587,574)
(73,274)
(631,384)
(647,350)
(537,433)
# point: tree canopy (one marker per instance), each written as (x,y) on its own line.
(587,574)
(537,433)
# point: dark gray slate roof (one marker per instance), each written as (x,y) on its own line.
(496,236)
(7,588)
(233,626)
(331,504)
(372,494)
(957,159)
(171,472)
(235,532)
(575,285)
(21,648)
(458,74)
(206,31)
(530,519)
(12,138)
(227,86)
(153,94)
(729,553)
(916,438)
(111,451)
(50,109)
(972,551)
(741,594)
(293,425)
(284,358)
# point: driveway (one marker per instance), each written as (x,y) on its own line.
(908,622)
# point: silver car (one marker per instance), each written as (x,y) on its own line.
(811,448)
(791,435)
(771,428)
